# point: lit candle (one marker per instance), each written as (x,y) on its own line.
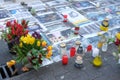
(77,43)
(72,51)
(64,59)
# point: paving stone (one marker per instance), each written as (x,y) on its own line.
(65,76)
(103,78)
(47,76)
(4,53)
(26,76)
(93,72)
(58,68)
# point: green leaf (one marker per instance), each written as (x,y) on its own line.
(36,67)
(35,60)
(29,54)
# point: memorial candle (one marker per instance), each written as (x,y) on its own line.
(64,59)
(72,51)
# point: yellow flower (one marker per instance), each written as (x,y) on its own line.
(11,63)
(22,37)
(21,44)
(49,54)
(25,40)
(44,43)
(38,43)
(118,35)
(49,48)
(31,40)
(28,35)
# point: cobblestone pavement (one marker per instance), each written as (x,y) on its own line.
(56,71)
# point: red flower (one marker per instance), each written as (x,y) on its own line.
(9,36)
(15,22)
(26,32)
(23,22)
(8,24)
(13,30)
(26,25)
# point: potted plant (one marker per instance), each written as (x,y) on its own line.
(14,31)
(31,51)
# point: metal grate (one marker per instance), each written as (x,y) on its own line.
(6,72)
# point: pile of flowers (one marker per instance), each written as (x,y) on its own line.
(33,50)
(14,30)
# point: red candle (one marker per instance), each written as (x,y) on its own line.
(72,51)
(89,48)
(76,30)
(65,18)
(64,59)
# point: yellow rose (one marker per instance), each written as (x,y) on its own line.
(11,63)
(49,48)
(38,43)
(118,35)
(44,43)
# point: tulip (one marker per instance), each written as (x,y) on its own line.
(49,54)
(21,44)
(44,43)
(38,43)
(49,48)
(8,24)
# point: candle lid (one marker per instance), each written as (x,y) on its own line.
(77,42)
(80,50)
(62,45)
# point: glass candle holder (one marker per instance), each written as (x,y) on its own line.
(64,59)
(62,49)
(76,32)
(95,52)
(77,44)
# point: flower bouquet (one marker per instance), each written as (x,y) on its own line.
(14,31)
(32,50)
